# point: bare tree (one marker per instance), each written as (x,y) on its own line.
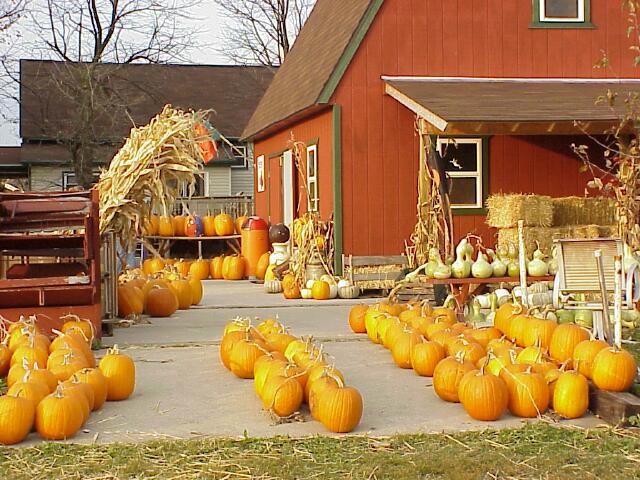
(92,41)
(10,12)
(262,31)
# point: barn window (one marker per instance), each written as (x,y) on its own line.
(312,178)
(464,162)
(561,14)
(69,179)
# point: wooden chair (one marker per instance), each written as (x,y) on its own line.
(578,274)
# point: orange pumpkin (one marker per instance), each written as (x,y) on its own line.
(233,268)
(153,265)
(239,223)
(130,300)
(161,302)
(183,292)
(179,225)
(196,290)
(199,269)
(165,226)
(263,264)
(209,223)
(182,266)
(320,290)
(216,267)
(224,225)
(151,225)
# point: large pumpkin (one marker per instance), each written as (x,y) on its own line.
(196,290)
(179,225)
(161,302)
(224,225)
(165,227)
(58,416)
(228,342)
(614,370)
(233,268)
(584,354)
(200,269)
(130,300)
(16,419)
(32,390)
(339,408)
(209,226)
(528,394)
(564,340)
(262,265)
(182,290)
(281,395)
(98,383)
(447,376)
(425,356)
(153,265)
(243,356)
(215,267)
(539,332)
(120,372)
(483,396)
(571,395)
(401,349)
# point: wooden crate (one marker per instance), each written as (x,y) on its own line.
(375,272)
(109,264)
(614,408)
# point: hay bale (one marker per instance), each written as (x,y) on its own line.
(608,231)
(505,210)
(583,211)
(532,237)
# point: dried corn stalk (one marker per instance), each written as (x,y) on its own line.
(147,172)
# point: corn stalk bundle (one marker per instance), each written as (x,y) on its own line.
(147,172)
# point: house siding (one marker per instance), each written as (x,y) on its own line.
(457,38)
(316,129)
(242,180)
(219,181)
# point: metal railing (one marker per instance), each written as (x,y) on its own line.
(234,206)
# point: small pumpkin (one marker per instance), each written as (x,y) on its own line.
(97,381)
(425,356)
(320,290)
(273,286)
(292,292)
(447,376)
(262,265)
(5,360)
(351,291)
(224,225)
(194,226)
(282,395)
(165,227)
(120,373)
(200,269)
(179,224)
(130,301)
(58,416)
(209,225)
(356,318)
(233,267)
(151,225)
(16,419)
(216,267)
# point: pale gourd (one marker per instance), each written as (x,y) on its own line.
(475,316)
(273,286)
(350,291)
(461,268)
(481,268)
(537,267)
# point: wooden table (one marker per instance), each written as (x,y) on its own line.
(461,287)
(165,243)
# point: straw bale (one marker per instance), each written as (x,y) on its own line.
(542,235)
(505,210)
(583,211)
(608,231)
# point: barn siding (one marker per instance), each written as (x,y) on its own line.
(318,127)
(456,38)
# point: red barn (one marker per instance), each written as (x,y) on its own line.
(505,78)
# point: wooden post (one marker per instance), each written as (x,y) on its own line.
(523,263)
(606,331)
(617,302)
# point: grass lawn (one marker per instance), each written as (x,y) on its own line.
(539,450)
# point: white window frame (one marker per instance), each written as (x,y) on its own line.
(67,175)
(313,204)
(184,188)
(244,157)
(579,19)
(477,175)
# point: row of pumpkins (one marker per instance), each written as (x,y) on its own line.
(227,267)
(288,371)
(159,295)
(522,363)
(220,225)
(54,385)
(324,288)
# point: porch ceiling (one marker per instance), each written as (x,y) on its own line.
(523,106)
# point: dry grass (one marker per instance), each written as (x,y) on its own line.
(505,210)
(583,211)
(536,451)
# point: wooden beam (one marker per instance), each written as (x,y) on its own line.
(439,122)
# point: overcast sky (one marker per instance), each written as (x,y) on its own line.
(207,22)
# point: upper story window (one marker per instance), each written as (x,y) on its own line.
(312,178)
(562,14)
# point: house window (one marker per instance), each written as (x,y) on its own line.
(561,14)
(312,178)
(69,179)
(199,189)
(463,158)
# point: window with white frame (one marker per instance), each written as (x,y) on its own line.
(69,179)
(463,163)
(562,14)
(312,178)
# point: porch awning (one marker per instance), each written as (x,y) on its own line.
(523,106)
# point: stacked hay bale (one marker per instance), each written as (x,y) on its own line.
(547,219)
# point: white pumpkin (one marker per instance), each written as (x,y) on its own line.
(333,290)
(328,278)
(344,283)
(273,286)
(350,291)
(306,292)
(309,284)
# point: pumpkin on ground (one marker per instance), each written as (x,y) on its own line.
(216,267)
(356,318)
(282,395)
(243,356)
(161,302)
(197,290)
(200,269)
(614,370)
(483,396)
(401,349)
(182,290)
(425,356)
(97,381)
(233,267)
(58,416)
(528,394)
(262,265)
(34,391)
(120,372)
(153,265)
(130,300)
(564,340)
(320,290)
(339,408)
(265,366)
(584,354)
(16,419)
(228,342)
(447,376)
(83,326)
(571,395)
(183,266)
(539,332)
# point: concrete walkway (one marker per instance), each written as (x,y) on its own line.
(183,391)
